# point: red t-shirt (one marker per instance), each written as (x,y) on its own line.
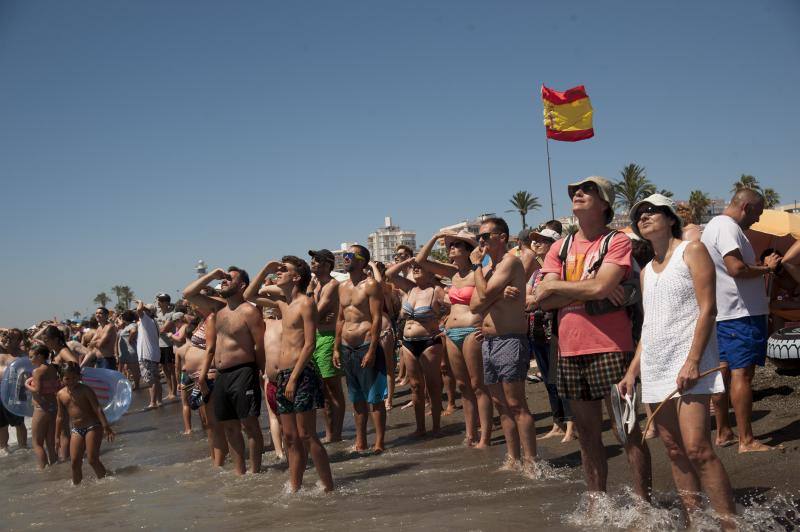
(578,332)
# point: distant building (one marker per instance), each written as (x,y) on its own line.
(470,225)
(384,241)
(338,255)
(789,207)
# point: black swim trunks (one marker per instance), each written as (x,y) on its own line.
(167,355)
(7,418)
(308,393)
(237,392)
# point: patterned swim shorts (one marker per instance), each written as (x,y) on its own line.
(308,393)
(150,371)
(590,377)
(505,358)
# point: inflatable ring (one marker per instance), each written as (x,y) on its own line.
(783,347)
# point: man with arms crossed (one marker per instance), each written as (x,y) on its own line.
(238,357)
(299,391)
(505,348)
(742,309)
(594,350)
(357,349)
(101,347)
(325,291)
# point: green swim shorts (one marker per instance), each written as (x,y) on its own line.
(323,355)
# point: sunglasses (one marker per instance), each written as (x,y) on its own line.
(650,210)
(456,244)
(282,269)
(487,235)
(586,188)
(350,256)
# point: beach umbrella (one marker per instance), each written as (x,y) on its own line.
(775,229)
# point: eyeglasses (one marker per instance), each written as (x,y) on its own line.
(282,269)
(586,188)
(487,235)
(351,255)
(649,210)
(456,244)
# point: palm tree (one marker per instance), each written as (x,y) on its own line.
(524,203)
(746,181)
(124,297)
(76,314)
(666,193)
(571,229)
(102,299)
(633,186)
(771,198)
(698,205)
(117,289)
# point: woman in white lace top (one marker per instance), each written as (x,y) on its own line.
(678,344)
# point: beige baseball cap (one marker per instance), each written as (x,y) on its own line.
(604,186)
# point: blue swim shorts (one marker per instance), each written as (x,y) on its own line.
(743,341)
(364,385)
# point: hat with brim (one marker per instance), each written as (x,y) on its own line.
(604,187)
(657,200)
(463,236)
(545,235)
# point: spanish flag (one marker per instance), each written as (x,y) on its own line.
(568,114)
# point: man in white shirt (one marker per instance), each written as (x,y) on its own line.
(149,352)
(742,310)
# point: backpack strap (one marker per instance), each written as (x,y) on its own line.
(563,252)
(604,245)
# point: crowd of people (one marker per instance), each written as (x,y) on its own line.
(607,317)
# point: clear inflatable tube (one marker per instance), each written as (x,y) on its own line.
(113,390)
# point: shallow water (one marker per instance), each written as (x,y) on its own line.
(163,480)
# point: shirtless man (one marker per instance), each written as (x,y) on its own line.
(325,291)
(357,348)
(273,331)
(506,353)
(10,349)
(101,346)
(238,355)
(299,387)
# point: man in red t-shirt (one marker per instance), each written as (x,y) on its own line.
(594,350)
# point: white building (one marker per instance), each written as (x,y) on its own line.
(470,225)
(384,241)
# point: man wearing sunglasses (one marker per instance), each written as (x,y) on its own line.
(325,291)
(505,348)
(742,310)
(357,348)
(594,350)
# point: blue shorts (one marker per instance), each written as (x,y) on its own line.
(364,385)
(743,341)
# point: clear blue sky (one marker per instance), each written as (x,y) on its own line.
(139,136)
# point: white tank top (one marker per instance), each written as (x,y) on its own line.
(670,316)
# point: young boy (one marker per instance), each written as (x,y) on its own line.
(299,386)
(273,330)
(43,384)
(78,402)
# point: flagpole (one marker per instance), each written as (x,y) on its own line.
(549,176)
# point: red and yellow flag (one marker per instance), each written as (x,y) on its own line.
(568,114)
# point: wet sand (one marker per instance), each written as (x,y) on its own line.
(162,480)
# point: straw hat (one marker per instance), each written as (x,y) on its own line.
(464,236)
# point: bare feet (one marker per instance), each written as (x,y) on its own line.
(481,445)
(377,450)
(509,464)
(388,403)
(449,410)
(756,446)
(420,433)
(187,433)
(170,398)
(554,432)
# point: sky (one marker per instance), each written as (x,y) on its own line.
(137,137)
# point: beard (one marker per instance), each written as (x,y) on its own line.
(350,267)
(228,291)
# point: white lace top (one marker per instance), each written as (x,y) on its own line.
(670,316)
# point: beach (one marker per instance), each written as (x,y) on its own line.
(162,480)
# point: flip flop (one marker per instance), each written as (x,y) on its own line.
(617,410)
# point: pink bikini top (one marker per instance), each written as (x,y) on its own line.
(460,296)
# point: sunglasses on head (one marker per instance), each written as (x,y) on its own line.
(650,210)
(586,188)
(351,255)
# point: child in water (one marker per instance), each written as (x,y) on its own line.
(43,385)
(78,402)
